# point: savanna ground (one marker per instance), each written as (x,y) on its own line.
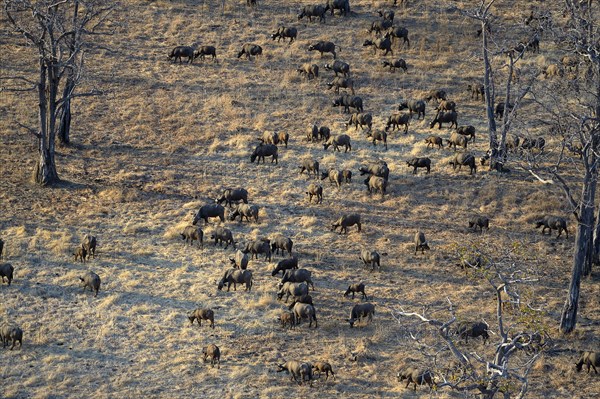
(166,138)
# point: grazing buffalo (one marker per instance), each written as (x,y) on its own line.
(182,51)
(284,32)
(264,150)
(324,47)
(313,11)
(348,101)
(210,211)
(250,50)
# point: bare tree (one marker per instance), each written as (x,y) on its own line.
(583,39)
(484,16)
(572,104)
(515,52)
(577,121)
(57,30)
(516,352)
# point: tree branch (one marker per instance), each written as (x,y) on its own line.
(14,89)
(18,78)
(93,92)
(57,4)
(565,188)
(538,177)
(30,130)
(19,28)
(107,11)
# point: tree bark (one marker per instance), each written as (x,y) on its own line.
(45,169)
(583,245)
(590,223)
(568,318)
(595,255)
(488,84)
(499,160)
(596,250)
(64,127)
(45,172)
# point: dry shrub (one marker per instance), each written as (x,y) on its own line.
(401,138)
(328,161)
(173,232)
(294,78)
(308,221)
(540,203)
(254,234)
(222,105)
(133,228)
(261,123)
(216,146)
(262,302)
(58,242)
(177,26)
(263,214)
(192,205)
(163,186)
(241,141)
(15,241)
(362,349)
(118,195)
(15,232)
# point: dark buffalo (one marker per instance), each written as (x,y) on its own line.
(210,211)
(313,11)
(265,150)
(182,51)
(348,101)
(250,49)
(414,106)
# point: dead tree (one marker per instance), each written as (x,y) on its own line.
(498,151)
(57,31)
(483,15)
(507,372)
(577,123)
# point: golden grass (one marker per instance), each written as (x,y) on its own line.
(58,242)
(173,232)
(117,195)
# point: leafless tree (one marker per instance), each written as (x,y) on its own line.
(516,352)
(514,53)
(57,31)
(574,114)
(572,105)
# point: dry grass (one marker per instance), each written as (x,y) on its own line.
(167,138)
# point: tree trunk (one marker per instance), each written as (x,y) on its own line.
(64,127)
(45,172)
(488,84)
(568,318)
(497,151)
(497,162)
(45,169)
(596,254)
(583,245)
(589,222)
